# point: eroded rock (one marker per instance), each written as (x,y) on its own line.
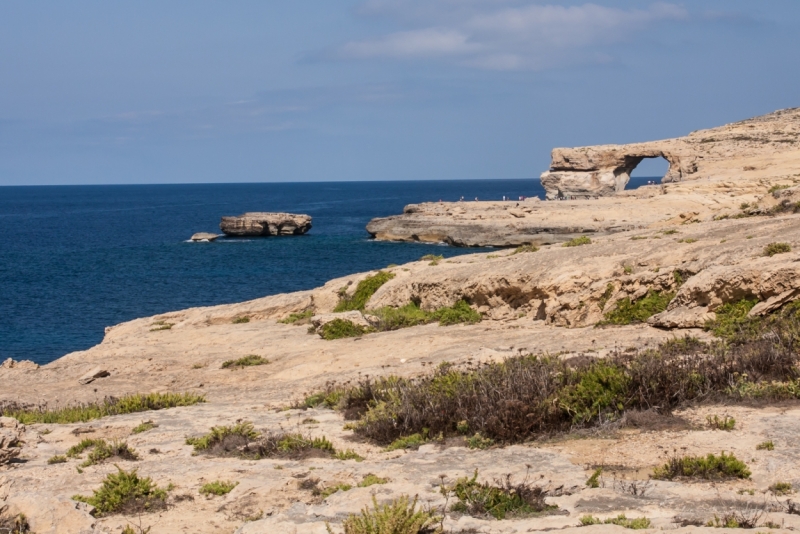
(266,224)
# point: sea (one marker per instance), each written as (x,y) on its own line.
(75,259)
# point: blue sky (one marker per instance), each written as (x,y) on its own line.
(313,90)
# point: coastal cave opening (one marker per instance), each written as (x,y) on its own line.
(647,169)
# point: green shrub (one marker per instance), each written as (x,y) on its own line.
(364,291)
(103,451)
(578,241)
(607,294)
(144,426)
(219,434)
(777,248)
(500,500)
(778,187)
(781,488)
(458,313)
(242,441)
(721,423)
(627,312)
(241,320)
(408,442)
(245,361)
(670,232)
(218,488)
(432,258)
(687,240)
(411,315)
(371,480)
(731,318)
(330,490)
(348,454)
(479,442)
(297,317)
(525,249)
(111,406)
(399,517)
(342,328)
(328,398)
(126,493)
(708,467)
(594,480)
(765,446)
(600,389)
(57,459)
(622,521)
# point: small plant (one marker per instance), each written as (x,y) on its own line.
(371,480)
(627,269)
(747,518)
(57,459)
(488,257)
(778,187)
(326,492)
(409,442)
(432,258)
(349,454)
(708,467)
(765,446)
(342,328)
(241,320)
(670,232)
(731,318)
(199,366)
(479,442)
(777,248)
(578,241)
(687,240)
(161,325)
(144,426)
(398,517)
(103,451)
(219,435)
(126,493)
(607,294)
(364,291)
(309,421)
(297,317)
(781,488)
(594,480)
(246,361)
(744,205)
(15,525)
(525,249)
(218,488)
(726,423)
(627,312)
(111,406)
(622,521)
(499,500)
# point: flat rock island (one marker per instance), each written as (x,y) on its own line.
(266,224)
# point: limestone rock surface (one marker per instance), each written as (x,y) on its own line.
(266,224)
(204,236)
(10,439)
(48,514)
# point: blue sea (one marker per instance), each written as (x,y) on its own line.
(75,259)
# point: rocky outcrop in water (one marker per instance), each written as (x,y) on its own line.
(266,224)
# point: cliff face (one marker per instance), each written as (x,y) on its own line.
(265,224)
(605,170)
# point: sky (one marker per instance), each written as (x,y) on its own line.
(98,92)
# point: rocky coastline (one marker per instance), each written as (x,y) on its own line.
(674,257)
(265,224)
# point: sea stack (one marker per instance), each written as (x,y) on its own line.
(266,224)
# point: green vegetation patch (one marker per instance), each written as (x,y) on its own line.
(709,467)
(241,320)
(627,312)
(731,319)
(126,493)
(364,291)
(766,446)
(218,488)
(411,315)
(638,523)
(57,459)
(101,450)
(219,435)
(726,423)
(161,325)
(371,480)
(144,426)
(398,517)
(111,406)
(600,388)
(246,361)
(781,488)
(342,328)
(243,441)
(408,442)
(777,248)
(578,241)
(594,480)
(348,454)
(524,249)
(499,500)
(297,317)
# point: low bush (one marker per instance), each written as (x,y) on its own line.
(731,317)
(144,426)
(765,446)
(627,312)
(777,248)
(399,517)
(241,320)
(57,459)
(364,291)
(342,328)
(578,241)
(224,438)
(408,442)
(709,467)
(245,361)
(110,406)
(297,317)
(525,249)
(371,480)
(479,442)
(103,451)
(499,500)
(639,523)
(726,423)
(348,454)
(218,488)
(126,493)
(594,480)
(243,441)
(781,488)
(327,491)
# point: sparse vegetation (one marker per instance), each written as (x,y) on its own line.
(578,241)
(126,493)
(161,325)
(342,328)
(245,361)
(607,294)
(432,258)
(243,441)
(709,467)
(778,187)
(781,488)
(348,454)
(144,426)
(594,480)
(57,459)
(371,480)
(687,240)
(241,319)
(499,500)
(297,317)
(622,521)
(103,451)
(110,406)
(240,432)
(479,442)
(627,269)
(726,423)
(627,312)
(218,488)
(399,517)
(364,291)
(408,442)
(731,318)
(670,232)
(525,249)
(777,248)
(765,446)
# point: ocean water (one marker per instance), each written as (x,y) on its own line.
(75,259)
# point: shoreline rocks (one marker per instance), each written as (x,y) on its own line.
(265,224)
(204,237)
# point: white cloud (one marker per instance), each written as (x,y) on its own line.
(503,34)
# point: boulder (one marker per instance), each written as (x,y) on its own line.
(266,224)
(204,236)
(10,439)
(93,375)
